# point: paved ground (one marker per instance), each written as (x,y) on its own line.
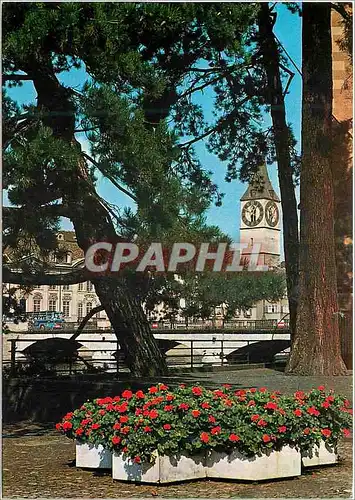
(38,462)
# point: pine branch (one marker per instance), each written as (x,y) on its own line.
(15,77)
(41,278)
(109,177)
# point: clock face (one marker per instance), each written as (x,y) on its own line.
(271,213)
(252,213)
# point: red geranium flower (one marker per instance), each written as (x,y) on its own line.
(95,426)
(298,413)
(168,408)
(153,414)
(184,406)
(125,430)
(205,406)
(346,432)
(124,419)
(140,395)
(211,419)
(170,397)
(147,429)
(226,386)
(138,412)
(330,399)
(116,440)
(182,386)
(325,404)
(127,394)
(67,425)
(251,403)
(167,427)
(117,426)
(306,431)
(240,392)
(299,395)
(313,411)
(197,391)
(326,432)
(255,418)
(262,423)
(163,387)
(262,389)
(153,390)
(252,390)
(234,438)
(58,426)
(282,429)
(270,406)
(125,449)
(137,460)
(266,438)
(204,436)
(79,431)
(321,388)
(195,413)
(116,399)
(102,412)
(122,408)
(216,430)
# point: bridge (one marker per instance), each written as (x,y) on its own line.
(184,347)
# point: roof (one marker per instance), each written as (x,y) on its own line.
(260,187)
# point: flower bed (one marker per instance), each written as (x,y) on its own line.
(147,430)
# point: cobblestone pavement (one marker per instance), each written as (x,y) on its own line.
(39,463)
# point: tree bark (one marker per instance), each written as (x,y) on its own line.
(92,223)
(271,62)
(316,346)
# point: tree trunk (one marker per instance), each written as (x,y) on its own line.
(92,223)
(271,62)
(316,347)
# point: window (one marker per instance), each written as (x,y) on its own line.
(88,307)
(68,258)
(89,286)
(80,310)
(247,313)
(81,287)
(272,308)
(52,287)
(66,287)
(52,305)
(66,308)
(36,305)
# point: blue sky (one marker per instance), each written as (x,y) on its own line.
(288,30)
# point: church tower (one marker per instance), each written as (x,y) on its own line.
(260,219)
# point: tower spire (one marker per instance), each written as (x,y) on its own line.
(260,186)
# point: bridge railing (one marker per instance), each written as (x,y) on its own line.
(105,355)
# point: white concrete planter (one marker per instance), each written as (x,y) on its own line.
(322,455)
(276,464)
(166,469)
(93,456)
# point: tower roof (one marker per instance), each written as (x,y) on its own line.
(260,187)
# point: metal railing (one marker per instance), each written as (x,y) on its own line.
(209,348)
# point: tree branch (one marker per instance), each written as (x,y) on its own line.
(41,278)
(82,325)
(216,128)
(15,77)
(109,177)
